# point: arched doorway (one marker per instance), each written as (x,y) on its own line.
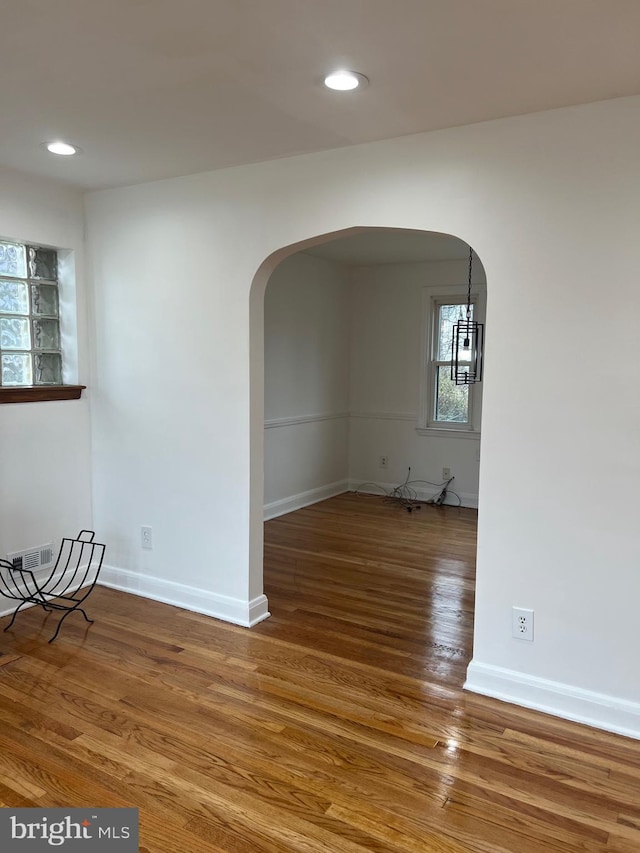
(408,428)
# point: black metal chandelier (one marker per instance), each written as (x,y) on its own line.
(467,344)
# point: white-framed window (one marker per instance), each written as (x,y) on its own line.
(443,404)
(30,340)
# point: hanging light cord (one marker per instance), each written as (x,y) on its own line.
(469,286)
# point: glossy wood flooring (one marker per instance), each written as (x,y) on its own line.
(337,726)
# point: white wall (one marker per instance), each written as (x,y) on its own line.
(549,202)
(306,331)
(45,459)
(344,340)
(388,316)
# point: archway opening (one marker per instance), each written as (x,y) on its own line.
(351,339)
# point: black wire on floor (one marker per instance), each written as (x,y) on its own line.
(405,496)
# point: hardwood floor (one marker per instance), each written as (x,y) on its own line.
(338,725)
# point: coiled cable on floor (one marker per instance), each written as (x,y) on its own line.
(406,496)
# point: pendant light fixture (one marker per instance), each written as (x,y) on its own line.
(467,344)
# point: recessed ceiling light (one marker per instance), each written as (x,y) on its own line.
(64,149)
(345,81)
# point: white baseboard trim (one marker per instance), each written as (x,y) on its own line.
(552,697)
(11,606)
(41,577)
(313,496)
(423,493)
(235,610)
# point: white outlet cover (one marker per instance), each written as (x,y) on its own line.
(522,624)
(146,538)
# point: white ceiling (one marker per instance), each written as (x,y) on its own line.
(392,246)
(158,88)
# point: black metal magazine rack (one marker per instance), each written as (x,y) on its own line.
(68,585)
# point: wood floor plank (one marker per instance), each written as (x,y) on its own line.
(337,726)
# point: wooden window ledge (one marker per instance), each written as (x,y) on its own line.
(40,393)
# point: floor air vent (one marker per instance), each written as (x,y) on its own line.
(32,559)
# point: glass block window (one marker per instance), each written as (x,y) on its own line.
(30,352)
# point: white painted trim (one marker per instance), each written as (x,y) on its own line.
(432,432)
(440,432)
(235,610)
(304,419)
(8,610)
(5,611)
(432,297)
(385,416)
(313,496)
(423,493)
(41,576)
(552,697)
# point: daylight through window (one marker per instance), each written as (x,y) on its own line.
(450,402)
(30,352)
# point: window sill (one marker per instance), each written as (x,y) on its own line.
(440,432)
(40,393)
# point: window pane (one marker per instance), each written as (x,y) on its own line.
(448,315)
(16,369)
(452,401)
(43,263)
(13,260)
(14,298)
(48,368)
(46,334)
(44,299)
(29,323)
(14,333)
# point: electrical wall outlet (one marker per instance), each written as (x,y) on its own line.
(522,624)
(146,538)
(446,473)
(383,462)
